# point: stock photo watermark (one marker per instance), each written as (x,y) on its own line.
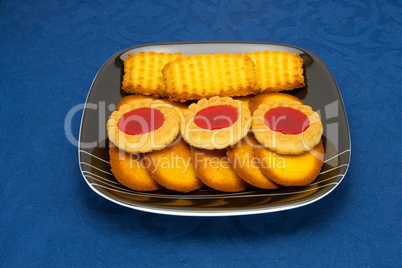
(96,115)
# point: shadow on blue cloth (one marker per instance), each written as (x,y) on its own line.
(254,227)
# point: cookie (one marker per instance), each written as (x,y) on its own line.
(214,170)
(277,71)
(246,165)
(291,170)
(215,123)
(172,168)
(130,171)
(264,98)
(132,98)
(245,99)
(143,73)
(193,77)
(287,127)
(143,125)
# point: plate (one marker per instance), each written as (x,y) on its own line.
(321,93)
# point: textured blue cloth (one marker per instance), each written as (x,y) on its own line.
(50,53)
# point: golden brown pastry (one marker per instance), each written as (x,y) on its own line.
(266,97)
(215,123)
(245,164)
(193,77)
(129,170)
(214,170)
(277,71)
(133,98)
(287,127)
(291,170)
(172,168)
(143,73)
(245,100)
(144,125)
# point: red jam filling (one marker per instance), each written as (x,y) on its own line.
(141,121)
(286,120)
(216,117)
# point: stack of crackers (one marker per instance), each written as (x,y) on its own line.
(193,77)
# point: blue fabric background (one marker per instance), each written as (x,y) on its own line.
(50,53)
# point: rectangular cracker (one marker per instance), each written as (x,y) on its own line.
(143,73)
(277,71)
(193,77)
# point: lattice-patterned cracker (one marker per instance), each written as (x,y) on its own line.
(143,73)
(277,71)
(193,77)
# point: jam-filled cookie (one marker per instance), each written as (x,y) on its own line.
(291,170)
(144,125)
(215,123)
(172,168)
(130,170)
(214,170)
(245,100)
(246,165)
(133,98)
(266,97)
(287,127)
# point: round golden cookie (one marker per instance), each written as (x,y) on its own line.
(266,97)
(214,170)
(245,164)
(291,170)
(130,171)
(144,125)
(245,100)
(172,168)
(132,98)
(215,123)
(287,127)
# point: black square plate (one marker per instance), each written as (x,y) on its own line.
(321,93)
